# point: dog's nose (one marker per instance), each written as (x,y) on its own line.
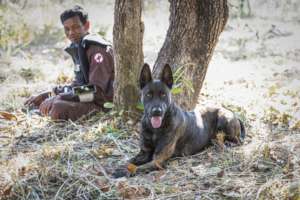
(156,111)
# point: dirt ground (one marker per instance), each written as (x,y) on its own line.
(255,71)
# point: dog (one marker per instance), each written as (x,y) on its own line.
(168,131)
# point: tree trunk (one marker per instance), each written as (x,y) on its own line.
(195,26)
(128,50)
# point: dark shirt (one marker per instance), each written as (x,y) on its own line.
(101,72)
(94,67)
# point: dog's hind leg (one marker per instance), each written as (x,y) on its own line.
(231,125)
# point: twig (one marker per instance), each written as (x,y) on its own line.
(60,188)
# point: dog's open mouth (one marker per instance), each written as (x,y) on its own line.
(156,121)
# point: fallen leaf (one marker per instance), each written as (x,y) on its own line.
(103,151)
(8,116)
(221,173)
(132,191)
(6,191)
(102,184)
(131,168)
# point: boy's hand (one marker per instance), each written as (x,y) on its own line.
(46,106)
(37,99)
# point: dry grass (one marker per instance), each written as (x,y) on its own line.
(60,160)
(253,72)
(41,159)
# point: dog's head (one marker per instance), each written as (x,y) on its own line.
(156,94)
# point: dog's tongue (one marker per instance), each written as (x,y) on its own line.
(156,121)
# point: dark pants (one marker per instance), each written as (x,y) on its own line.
(64,110)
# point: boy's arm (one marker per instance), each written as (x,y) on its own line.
(101,73)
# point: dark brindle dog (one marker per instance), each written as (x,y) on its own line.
(168,131)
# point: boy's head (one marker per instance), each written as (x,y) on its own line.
(75,22)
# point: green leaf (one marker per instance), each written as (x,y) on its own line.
(179,74)
(176,90)
(140,106)
(189,85)
(108,105)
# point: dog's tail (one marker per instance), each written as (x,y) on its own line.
(243,131)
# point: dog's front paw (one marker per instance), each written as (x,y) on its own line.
(127,171)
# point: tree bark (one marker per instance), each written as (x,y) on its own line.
(128,50)
(195,26)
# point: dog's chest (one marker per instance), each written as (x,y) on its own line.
(150,137)
(155,138)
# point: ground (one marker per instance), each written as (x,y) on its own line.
(254,71)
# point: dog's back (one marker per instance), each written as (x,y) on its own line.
(201,126)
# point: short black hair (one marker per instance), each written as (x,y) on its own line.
(75,11)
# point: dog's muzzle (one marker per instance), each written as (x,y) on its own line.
(156,111)
(156,117)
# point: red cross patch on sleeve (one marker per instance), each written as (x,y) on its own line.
(98,58)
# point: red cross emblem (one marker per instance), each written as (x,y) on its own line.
(98,58)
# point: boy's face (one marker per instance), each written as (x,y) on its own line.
(74,29)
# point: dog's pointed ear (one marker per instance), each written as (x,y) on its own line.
(166,76)
(145,76)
